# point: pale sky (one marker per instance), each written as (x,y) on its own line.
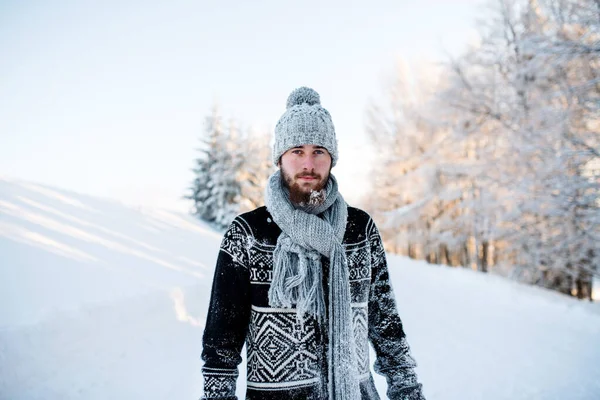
(108,98)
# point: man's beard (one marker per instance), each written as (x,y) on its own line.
(298,195)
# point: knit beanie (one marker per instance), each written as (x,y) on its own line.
(304,122)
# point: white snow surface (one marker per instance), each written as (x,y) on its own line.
(103,301)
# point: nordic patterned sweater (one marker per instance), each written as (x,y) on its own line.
(287,357)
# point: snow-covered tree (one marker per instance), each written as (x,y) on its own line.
(215,190)
(532,94)
(498,165)
(256,168)
(231,171)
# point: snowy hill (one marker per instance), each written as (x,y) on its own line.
(103,301)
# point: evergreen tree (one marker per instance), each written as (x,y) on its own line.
(215,189)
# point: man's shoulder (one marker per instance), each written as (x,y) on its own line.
(256,216)
(258,223)
(358,214)
(359,225)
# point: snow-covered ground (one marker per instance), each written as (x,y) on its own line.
(103,301)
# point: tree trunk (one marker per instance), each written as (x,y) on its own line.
(411,250)
(561,281)
(465,255)
(583,283)
(484,256)
(443,255)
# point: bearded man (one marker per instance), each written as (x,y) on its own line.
(304,283)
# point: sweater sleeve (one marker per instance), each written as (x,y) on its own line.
(393,358)
(228,316)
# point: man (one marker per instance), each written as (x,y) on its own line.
(303,282)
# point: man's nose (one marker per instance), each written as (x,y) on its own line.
(308,163)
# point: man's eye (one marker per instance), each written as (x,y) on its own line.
(319,152)
(297,151)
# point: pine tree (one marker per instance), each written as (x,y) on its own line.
(215,189)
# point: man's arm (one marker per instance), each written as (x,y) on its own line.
(393,358)
(228,316)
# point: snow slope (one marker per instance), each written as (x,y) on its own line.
(103,301)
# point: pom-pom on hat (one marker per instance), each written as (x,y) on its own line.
(304,122)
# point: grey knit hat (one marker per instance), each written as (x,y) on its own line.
(304,122)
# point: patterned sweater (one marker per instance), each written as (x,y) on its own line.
(286,356)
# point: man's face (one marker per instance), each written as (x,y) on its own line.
(305,169)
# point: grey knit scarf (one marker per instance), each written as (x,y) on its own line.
(297,274)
